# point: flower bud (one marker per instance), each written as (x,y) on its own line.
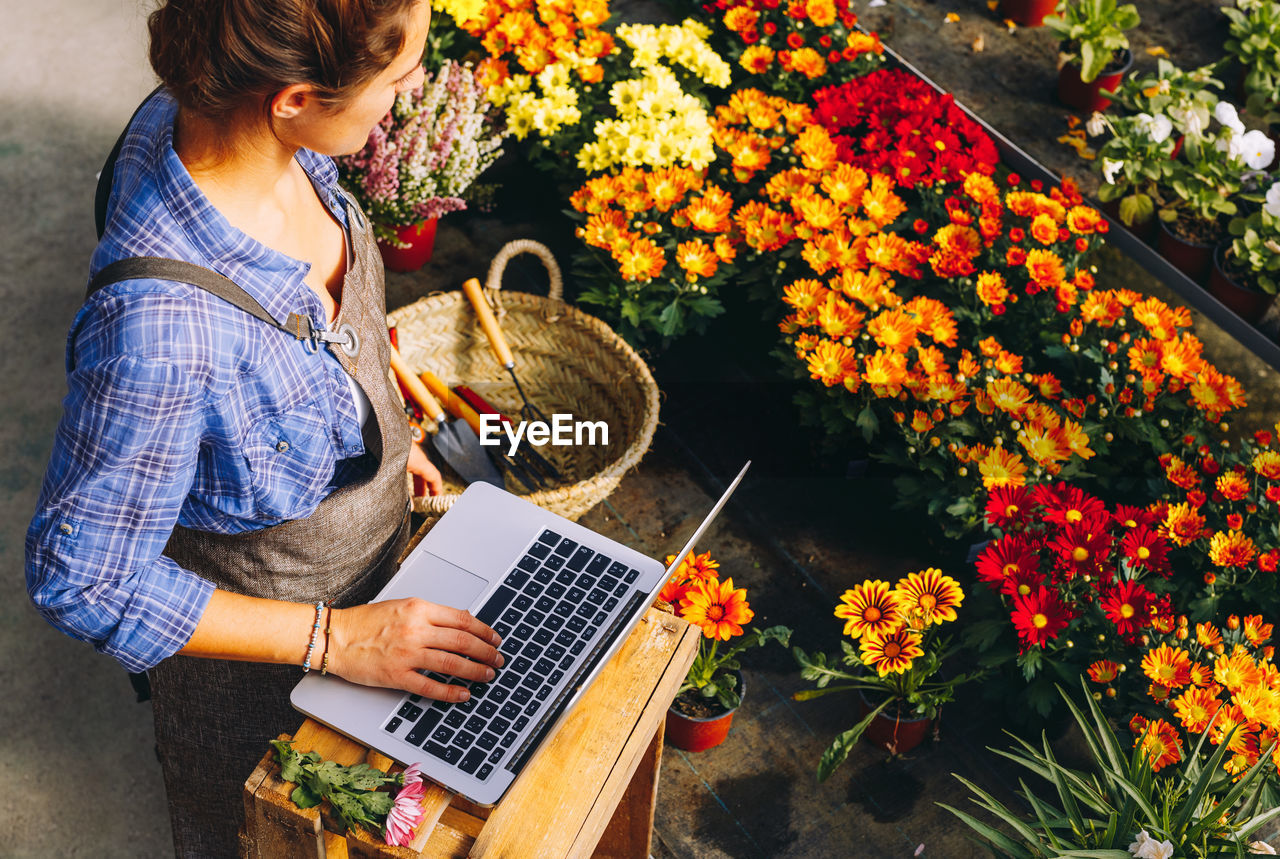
(1111,693)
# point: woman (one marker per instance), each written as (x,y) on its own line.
(223,495)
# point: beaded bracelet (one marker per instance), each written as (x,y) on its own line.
(315,632)
(328,630)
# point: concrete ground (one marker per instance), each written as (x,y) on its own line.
(80,778)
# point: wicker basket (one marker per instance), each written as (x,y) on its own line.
(568,362)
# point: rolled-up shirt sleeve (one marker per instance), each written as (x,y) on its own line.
(122,464)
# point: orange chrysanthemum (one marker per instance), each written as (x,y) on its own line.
(1267,464)
(1161,743)
(641,260)
(1237,670)
(1104,671)
(1233,485)
(718,608)
(870,607)
(1001,467)
(1045,268)
(1231,549)
(1208,636)
(1168,666)
(697,258)
(1195,708)
(831,362)
(1182,524)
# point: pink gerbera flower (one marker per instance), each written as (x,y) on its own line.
(407,813)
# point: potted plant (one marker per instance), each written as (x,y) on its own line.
(896,667)
(421,161)
(1134,161)
(1203,185)
(1246,271)
(1255,44)
(1094,50)
(1147,803)
(1162,107)
(702,712)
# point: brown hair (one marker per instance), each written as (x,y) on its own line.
(219,56)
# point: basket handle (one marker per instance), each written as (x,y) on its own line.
(526,246)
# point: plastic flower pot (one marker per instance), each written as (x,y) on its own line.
(1246,302)
(1027,13)
(1191,258)
(890,731)
(1088,97)
(696,734)
(420,241)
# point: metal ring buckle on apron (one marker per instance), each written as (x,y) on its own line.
(345,337)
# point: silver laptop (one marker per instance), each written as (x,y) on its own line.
(562,597)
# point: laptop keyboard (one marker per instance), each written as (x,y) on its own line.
(555,611)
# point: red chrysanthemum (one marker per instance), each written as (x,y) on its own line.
(1039,616)
(1083,547)
(1009,556)
(1065,504)
(1008,505)
(1147,548)
(1128,606)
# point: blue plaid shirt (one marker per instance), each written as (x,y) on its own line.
(181,409)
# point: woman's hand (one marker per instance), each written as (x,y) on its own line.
(420,466)
(386,643)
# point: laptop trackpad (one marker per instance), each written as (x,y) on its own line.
(437,581)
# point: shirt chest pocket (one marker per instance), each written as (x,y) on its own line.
(291,459)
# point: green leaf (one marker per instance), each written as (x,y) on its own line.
(304,797)
(842,745)
(995,836)
(868,423)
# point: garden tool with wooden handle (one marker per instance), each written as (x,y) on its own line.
(455,441)
(516,463)
(498,343)
(533,461)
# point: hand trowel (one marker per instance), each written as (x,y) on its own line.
(455,441)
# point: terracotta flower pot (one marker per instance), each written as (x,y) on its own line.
(696,734)
(1027,13)
(1191,258)
(1245,301)
(888,731)
(1088,97)
(420,239)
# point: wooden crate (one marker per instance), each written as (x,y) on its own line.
(590,790)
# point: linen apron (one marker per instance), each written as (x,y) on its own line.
(214,718)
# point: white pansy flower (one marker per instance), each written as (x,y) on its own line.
(1096,124)
(1226,113)
(1257,150)
(1161,128)
(1272,206)
(1110,167)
